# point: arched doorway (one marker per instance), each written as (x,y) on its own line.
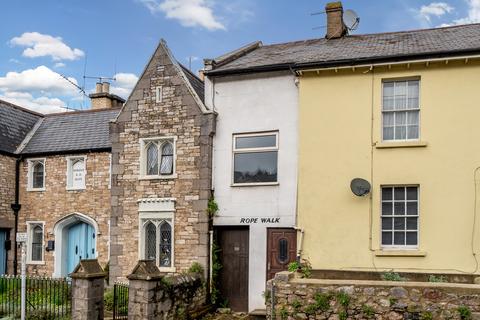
(75,239)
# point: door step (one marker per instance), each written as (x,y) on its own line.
(258,314)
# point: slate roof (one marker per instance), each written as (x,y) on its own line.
(72,131)
(15,124)
(357,49)
(195,81)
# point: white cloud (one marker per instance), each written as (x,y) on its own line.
(39,89)
(59,65)
(473,13)
(190,13)
(41,79)
(436,9)
(124,84)
(43,45)
(41,104)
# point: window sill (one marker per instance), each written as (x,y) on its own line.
(259,184)
(36,189)
(170,269)
(401,144)
(36,262)
(172,176)
(400,253)
(76,189)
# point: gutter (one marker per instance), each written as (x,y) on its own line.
(459,54)
(63,152)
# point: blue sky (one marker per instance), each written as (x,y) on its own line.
(43,39)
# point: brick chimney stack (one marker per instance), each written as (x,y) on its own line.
(335,26)
(102,98)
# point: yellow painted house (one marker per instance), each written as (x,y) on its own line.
(398,111)
(401,111)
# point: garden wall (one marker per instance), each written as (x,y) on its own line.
(153,295)
(295,298)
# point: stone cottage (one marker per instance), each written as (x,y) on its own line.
(161,170)
(15,124)
(63,179)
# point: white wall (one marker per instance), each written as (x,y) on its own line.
(261,102)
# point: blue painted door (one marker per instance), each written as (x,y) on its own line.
(3,252)
(80,244)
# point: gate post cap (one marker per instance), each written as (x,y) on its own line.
(145,270)
(87,269)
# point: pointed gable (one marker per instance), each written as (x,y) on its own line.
(163,64)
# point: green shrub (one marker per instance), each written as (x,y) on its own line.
(426,315)
(294,266)
(284,313)
(304,267)
(212,208)
(368,311)
(322,301)
(343,298)
(266,295)
(108,299)
(296,304)
(343,315)
(311,309)
(434,278)
(392,301)
(464,312)
(196,268)
(217,266)
(392,276)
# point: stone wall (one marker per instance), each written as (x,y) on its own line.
(7,197)
(177,115)
(171,297)
(296,298)
(56,202)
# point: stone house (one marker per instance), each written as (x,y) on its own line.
(15,124)
(161,170)
(63,183)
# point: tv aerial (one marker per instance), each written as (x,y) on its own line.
(360,187)
(351,19)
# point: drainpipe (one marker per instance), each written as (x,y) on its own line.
(300,243)
(16,208)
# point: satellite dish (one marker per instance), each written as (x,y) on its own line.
(351,19)
(360,187)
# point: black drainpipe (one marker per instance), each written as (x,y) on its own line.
(16,208)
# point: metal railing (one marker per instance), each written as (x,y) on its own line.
(46,298)
(120,301)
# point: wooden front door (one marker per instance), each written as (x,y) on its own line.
(80,245)
(281,250)
(233,279)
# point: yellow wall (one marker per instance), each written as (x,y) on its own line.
(336,135)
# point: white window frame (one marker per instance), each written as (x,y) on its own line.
(31,163)
(252,150)
(156,210)
(70,161)
(143,157)
(30,227)
(393,111)
(159,94)
(394,246)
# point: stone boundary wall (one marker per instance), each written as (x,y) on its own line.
(170,297)
(295,298)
